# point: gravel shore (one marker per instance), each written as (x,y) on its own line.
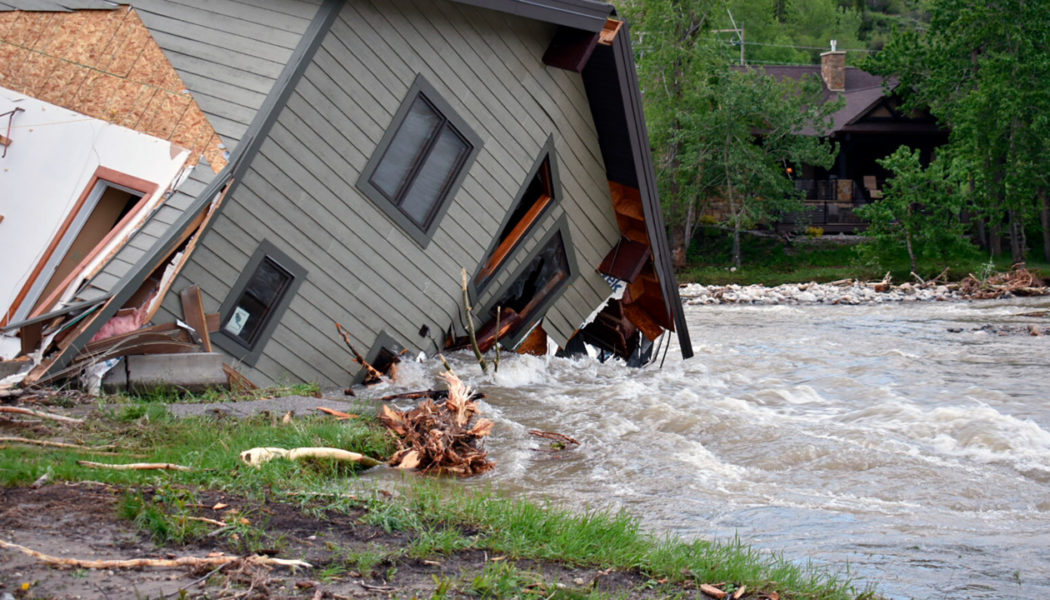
(815,293)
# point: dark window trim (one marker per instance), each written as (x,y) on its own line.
(234,345)
(421,235)
(560,226)
(547,151)
(383,340)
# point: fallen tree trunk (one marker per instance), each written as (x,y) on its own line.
(49,444)
(256,457)
(137,563)
(135,466)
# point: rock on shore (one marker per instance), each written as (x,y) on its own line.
(815,293)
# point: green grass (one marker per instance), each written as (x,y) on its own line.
(523,530)
(438,518)
(212,395)
(211,446)
(770,261)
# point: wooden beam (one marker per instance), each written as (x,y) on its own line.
(193,312)
(609,31)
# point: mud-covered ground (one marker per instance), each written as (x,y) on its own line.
(81,520)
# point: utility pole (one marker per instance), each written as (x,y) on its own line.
(739,31)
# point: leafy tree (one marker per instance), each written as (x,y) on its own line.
(676,55)
(920,209)
(756,123)
(787,31)
(719,134)
(982,67)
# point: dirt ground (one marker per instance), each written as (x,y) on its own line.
(80,520)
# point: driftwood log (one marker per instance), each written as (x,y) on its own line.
(39,414)
(256,457)
(135,466)
(137,563)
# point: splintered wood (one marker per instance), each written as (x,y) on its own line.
(439,438)
(1019,281)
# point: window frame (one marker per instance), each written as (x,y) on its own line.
(421,234)
(546,154)
(249,353)
(560,227)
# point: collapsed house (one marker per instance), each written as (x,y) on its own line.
(348,160)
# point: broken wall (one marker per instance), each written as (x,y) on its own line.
(53,159)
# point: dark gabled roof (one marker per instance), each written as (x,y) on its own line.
(863,91)
(57,5)
(627,153)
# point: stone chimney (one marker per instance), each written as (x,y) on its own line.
(833,68)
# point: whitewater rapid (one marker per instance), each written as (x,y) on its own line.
(901,444)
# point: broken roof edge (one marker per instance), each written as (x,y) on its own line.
(588,15)
(638,134)
(230,174)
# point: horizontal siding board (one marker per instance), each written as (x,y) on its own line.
(365,216)
(275,28)
(246,87)
(303,9)
(333,277)
(228,53)
(154,228)
(108,277)
(269,44)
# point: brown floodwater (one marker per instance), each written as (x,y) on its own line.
(906,445)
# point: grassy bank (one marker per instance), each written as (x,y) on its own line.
(772,261)
(424,539)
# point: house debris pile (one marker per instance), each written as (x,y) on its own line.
(1017,282)
(154,348)
(438,437)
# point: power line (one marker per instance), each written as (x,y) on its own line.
(808,47)
(736,43)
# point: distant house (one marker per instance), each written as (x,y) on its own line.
(868,127)
(364,154)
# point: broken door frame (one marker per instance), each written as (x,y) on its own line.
(25,303)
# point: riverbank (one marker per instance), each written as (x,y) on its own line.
(1016,282)
(203,524)
(774,260)
(849,292)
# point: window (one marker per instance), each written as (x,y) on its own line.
(420,162)
(536,285)
(253,307)
(534,198)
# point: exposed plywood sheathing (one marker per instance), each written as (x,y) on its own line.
(104,64)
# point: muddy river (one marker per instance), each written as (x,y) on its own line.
(902,444)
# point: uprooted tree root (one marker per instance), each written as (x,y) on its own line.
(439,438)
(1018,281)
